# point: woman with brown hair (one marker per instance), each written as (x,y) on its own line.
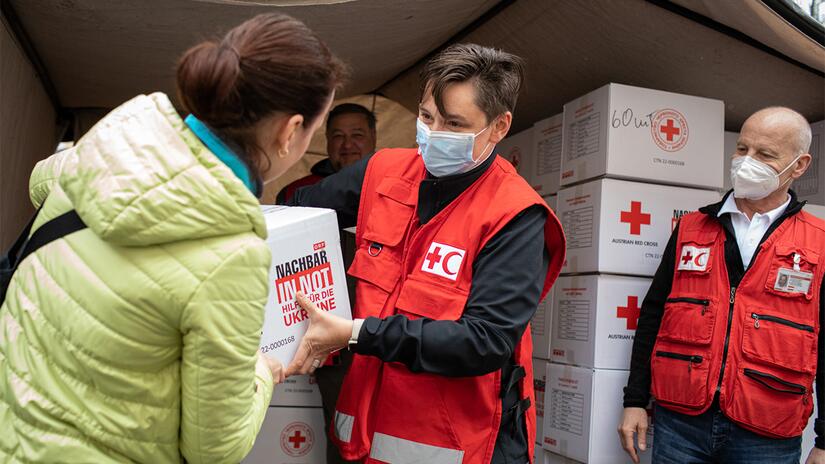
(136,338)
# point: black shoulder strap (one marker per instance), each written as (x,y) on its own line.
(56,228)
(12,256)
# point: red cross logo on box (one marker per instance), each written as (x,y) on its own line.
(443,260)
(669,129)
(630,312)
(297,439)
(635,217)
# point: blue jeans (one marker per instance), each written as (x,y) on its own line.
(712,438)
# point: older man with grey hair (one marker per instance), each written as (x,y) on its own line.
(729,342)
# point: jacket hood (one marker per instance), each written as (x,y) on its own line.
(141,177)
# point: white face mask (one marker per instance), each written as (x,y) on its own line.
(753,179)
(447,153)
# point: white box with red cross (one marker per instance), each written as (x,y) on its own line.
(582,408)
(546,163)
(622,227)
(635,133)
(595,319)
(306,257)
(518,150)
(290,436)
(811,186)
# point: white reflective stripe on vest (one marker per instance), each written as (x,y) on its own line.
(343,426)
(394,450)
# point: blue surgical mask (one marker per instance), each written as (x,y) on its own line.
(447,153)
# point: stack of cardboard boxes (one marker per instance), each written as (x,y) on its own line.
(620,166)
(633,162)
(536,155)
(306,257)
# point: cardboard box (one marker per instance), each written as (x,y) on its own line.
(306,257)
(811,186)
(582,408)
(518,150)
(635,133)
(297,391)
(290,436)
(547,145)
(729,149)
(595,319)
(541,327)
(539,381)
(622,227)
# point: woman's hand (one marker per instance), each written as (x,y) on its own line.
(275,367)
(326,334)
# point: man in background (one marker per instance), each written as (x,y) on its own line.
(350,137)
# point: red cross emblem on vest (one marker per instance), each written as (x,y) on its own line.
(630,312)
(635,217)
(694,259)
(443,260)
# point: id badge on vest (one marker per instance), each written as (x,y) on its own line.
(793,281)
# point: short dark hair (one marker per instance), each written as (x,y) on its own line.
(497,76)
(351,108)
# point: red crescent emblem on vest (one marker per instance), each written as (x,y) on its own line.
(698,258)
(446,265)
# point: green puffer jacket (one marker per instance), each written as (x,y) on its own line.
(136,340)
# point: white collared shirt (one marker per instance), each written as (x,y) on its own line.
(749,232)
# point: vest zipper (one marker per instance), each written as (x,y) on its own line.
(696,301)
(690,358)
(727,337)
(779,320)
(793,388)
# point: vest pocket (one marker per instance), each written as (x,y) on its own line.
(377,276)
(431,300)
(778,405)
(792,269)
(679,378)
(779,341)
(688,319)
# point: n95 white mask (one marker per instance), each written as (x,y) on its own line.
(753,179)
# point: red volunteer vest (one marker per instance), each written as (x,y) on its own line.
(772,316)
(385,411)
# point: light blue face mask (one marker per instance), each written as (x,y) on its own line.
(447,153)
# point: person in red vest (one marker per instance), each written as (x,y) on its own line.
(454,252)
(350,137)
(729,339)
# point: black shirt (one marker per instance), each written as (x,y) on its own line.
(637,392)
(508,276)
